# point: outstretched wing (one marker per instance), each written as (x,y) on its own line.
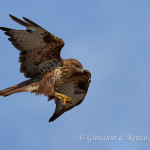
(39,49)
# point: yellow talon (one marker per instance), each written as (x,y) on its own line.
(62,97)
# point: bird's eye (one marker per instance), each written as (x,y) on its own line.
(78,66)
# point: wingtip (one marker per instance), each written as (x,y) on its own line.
(50,120)
(4,29)
(24,18)
(18,20)
(31,22)
(11,16)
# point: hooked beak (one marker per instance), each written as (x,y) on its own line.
(82,70)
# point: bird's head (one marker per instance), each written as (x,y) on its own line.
(76,66)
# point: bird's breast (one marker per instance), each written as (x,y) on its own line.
(57,75)
(60,75)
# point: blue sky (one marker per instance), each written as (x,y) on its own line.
(112,40)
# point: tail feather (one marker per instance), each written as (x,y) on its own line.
(21,87)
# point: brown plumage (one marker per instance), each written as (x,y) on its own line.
(63,80)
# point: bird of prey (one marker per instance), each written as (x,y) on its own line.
(63,80)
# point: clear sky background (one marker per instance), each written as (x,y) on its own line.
(111,38)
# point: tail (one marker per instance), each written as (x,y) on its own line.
(21,87)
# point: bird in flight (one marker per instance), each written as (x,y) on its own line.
(63,80)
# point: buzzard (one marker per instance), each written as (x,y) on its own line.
(63,80)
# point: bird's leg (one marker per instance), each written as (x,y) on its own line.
(62,97)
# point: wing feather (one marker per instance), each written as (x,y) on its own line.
(18,20)
(76,89)
(39,49)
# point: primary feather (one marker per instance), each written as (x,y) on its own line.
(39,49)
